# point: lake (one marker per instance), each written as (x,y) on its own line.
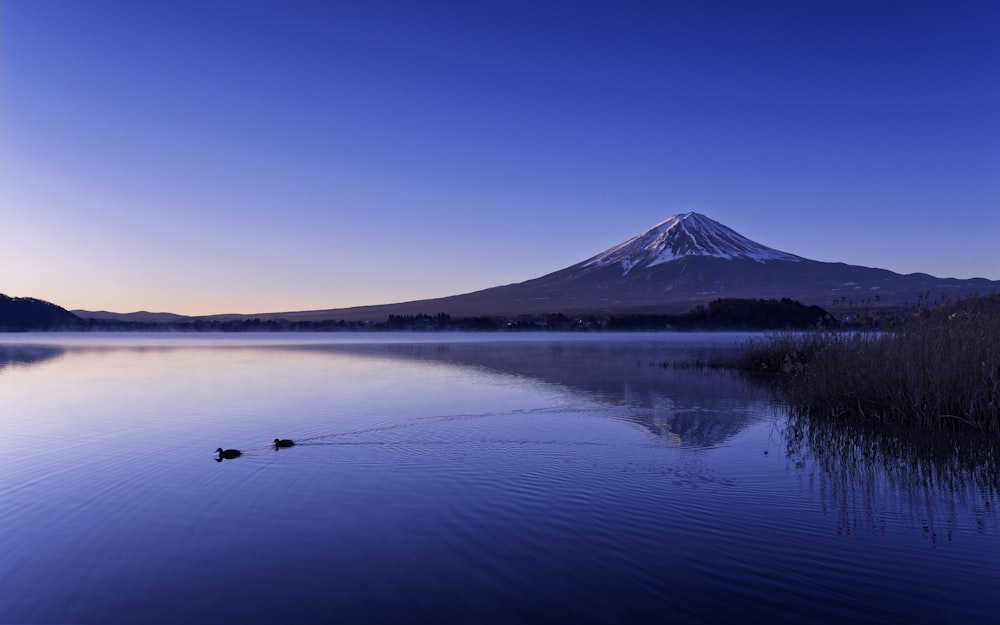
(437,478)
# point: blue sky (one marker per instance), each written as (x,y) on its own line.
(211,157)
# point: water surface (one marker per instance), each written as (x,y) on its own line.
(457,478)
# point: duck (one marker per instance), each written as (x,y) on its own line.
(228,454)
(282,442)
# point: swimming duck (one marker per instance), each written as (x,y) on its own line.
(228,454)
(282,442)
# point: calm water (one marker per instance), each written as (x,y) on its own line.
(455,478)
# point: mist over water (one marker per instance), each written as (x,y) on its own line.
(436,478)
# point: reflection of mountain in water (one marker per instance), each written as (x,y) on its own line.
(27,354)
(694,407)
(690,406)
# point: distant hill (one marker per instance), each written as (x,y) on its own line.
(20,314)
(140,316)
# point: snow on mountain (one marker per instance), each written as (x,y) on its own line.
(690,234)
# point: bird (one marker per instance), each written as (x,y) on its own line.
(282,442)
(228,454)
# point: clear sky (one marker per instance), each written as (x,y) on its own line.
(211,157)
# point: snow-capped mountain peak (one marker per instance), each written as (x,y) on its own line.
(690,234)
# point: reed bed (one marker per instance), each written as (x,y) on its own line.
(932,372)
(924,474)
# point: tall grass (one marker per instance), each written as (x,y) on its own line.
(934,371)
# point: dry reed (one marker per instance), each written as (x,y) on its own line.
(933,372)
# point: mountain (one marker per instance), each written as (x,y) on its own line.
(684,261)
(28,313)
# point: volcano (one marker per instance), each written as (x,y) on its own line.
(690,259)
(682,262)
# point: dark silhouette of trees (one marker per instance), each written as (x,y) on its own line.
(755,314)
(21,314)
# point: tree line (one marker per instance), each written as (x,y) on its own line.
(721,314)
